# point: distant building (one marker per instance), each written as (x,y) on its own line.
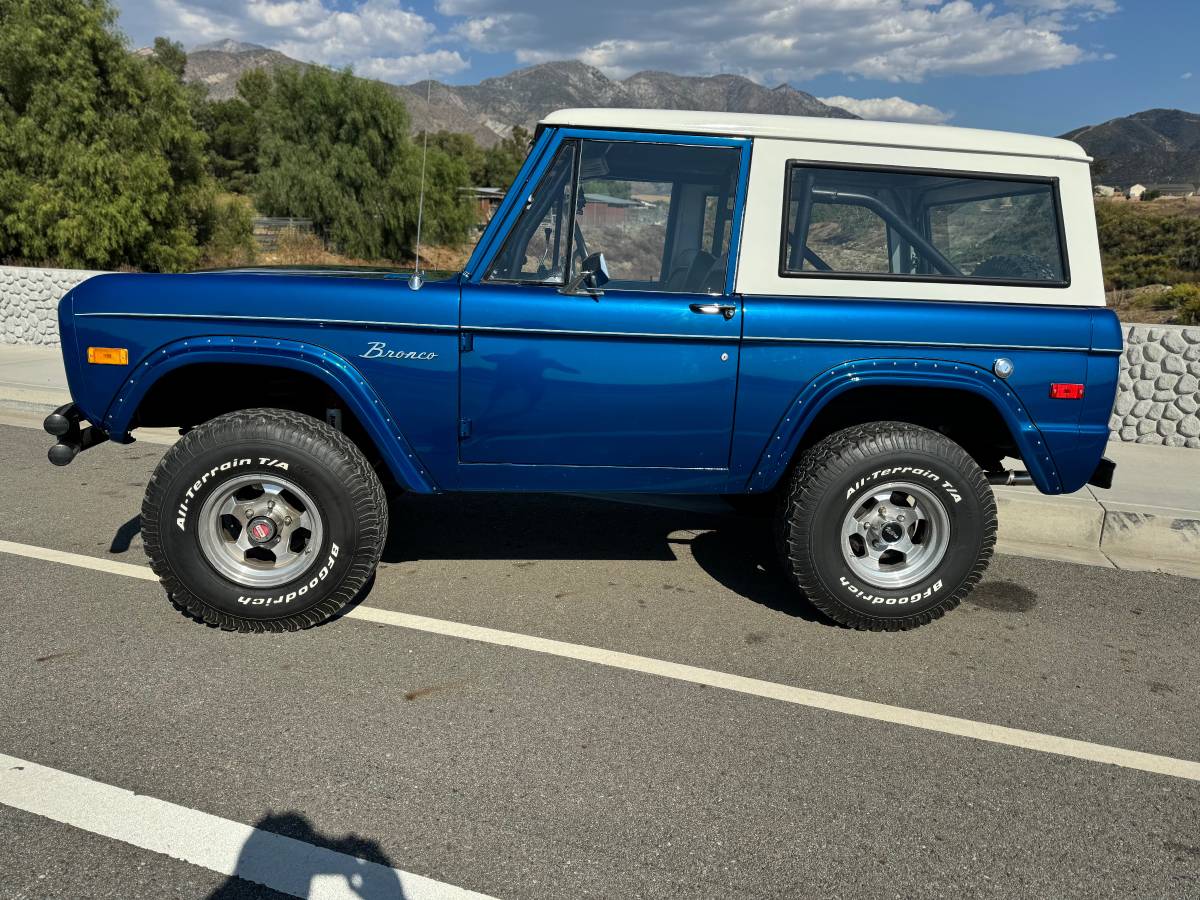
(486,199)
(601,209)
(1135,192)
(1103,190)
(1180,190)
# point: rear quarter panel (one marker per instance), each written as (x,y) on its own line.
(796,351)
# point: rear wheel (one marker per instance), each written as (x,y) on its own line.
(886,526)
(264,520)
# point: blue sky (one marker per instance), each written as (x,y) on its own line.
(1042,66)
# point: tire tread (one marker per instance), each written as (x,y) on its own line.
(325,444)
(851,446)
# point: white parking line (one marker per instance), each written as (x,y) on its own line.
(882,712)
(75,559)
(221,845)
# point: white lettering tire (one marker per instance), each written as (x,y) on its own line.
(886,526)
(306,505)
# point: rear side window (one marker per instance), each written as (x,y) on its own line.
(899,224)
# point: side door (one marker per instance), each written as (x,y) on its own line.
(641,374)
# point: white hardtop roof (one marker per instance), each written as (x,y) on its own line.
(812,128)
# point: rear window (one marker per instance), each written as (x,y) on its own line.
(905,225)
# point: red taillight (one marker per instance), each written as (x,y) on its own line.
(1066,392)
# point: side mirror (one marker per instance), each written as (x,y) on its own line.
(593,275)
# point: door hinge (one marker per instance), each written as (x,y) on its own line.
(464,428)
(466,341)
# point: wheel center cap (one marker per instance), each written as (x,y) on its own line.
(891,532)
(261,530)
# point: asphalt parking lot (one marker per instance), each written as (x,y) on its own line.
(507,763)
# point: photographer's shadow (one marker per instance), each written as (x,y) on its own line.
(290,857)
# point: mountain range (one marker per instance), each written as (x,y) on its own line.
(1157,145)
(489,110)
(1154,146)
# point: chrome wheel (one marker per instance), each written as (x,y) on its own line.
(895,535)
(260,531)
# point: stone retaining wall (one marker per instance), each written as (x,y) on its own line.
(1158,398)
(29,303)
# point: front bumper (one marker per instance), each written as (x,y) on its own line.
(64,424)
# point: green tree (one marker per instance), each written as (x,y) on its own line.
(502,161)
(335,149)
(496,166)
(101,162)
(171,56)
(458,146)
(232,130)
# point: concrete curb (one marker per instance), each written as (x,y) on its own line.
(1147,538)
(1100,533)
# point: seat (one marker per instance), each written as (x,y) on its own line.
(677,280)
(697,273)
(714,282)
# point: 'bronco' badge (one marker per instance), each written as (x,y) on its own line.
(379,350)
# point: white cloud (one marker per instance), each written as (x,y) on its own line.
(786,40)
(1186,75)
(379,38)
(1090,8)
(891,109)
(406,69)
(770,41)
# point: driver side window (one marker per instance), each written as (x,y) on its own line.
(661,213)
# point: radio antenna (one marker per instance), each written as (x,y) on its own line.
(416,280)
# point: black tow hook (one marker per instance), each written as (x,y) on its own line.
(63,424)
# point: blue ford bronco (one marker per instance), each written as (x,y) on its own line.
(865,324)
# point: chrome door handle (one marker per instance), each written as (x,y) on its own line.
(711,309)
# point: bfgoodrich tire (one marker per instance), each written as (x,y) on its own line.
(263,520)
(886,526)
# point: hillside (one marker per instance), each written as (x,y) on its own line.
(490,109)
(1157,145)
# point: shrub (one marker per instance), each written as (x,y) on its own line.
(1143,246)
(1182,301)
(231,233)
(300,248)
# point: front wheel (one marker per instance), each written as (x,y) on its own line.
(264,520)
(886,526)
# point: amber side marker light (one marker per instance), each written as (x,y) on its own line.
(1066,392)
(108,356)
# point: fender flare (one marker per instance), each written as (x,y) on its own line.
(885,371)
(332,369)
